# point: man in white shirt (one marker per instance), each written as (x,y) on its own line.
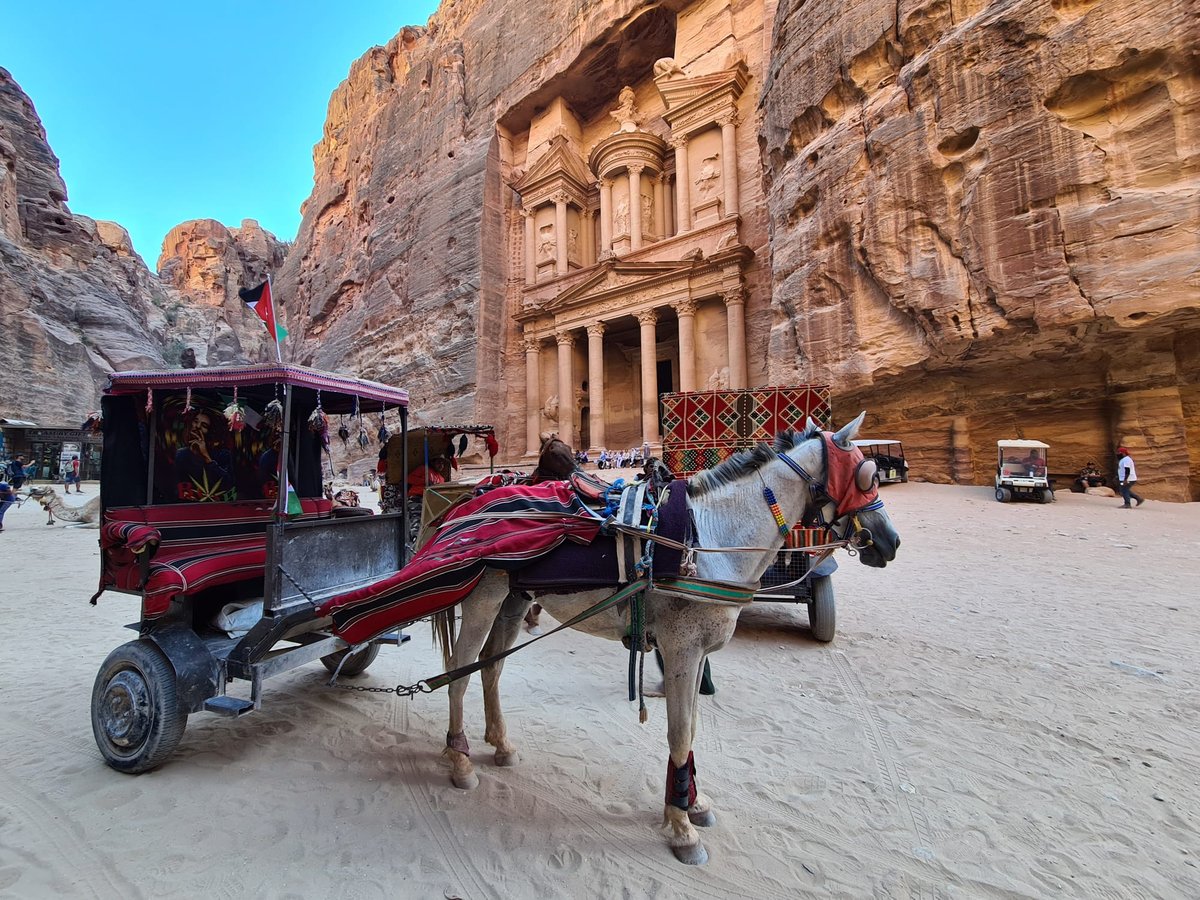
(1127,475)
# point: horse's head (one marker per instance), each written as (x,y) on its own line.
(845,491)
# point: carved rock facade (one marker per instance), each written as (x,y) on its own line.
(985,226)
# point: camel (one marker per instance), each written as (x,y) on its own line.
(88,514)
(748,502)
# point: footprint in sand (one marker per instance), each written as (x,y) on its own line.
(566,859)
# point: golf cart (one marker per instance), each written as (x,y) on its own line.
(889,459)
(1021,472)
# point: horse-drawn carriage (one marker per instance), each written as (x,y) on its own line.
(702,428)
(212,513)
(212,506)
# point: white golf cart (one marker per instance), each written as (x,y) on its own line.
(1021,472)
(889,459)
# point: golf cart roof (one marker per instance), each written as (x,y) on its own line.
(346,388)
(1024,445)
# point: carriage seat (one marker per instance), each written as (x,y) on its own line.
(181,548)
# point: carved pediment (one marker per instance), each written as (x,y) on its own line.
(559,168)
(690,100)
(615,279)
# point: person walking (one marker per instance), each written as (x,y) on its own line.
(7,498)
(16,472)
(1127,476)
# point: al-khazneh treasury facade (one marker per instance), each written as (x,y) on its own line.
(636,237)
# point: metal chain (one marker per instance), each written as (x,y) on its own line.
(400,690)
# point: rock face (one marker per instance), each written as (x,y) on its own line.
(206,263)
(985,221)
(77,303)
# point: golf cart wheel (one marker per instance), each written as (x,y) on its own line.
(822,612)
(1003,494)
(356,664)
(1047,496)
(137,719)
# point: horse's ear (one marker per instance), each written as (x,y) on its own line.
(848,432)
(812,427)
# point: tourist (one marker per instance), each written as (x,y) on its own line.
(7,498)
(1127,475)
(16,472)
(73,475)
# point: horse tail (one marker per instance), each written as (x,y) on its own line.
(443,633)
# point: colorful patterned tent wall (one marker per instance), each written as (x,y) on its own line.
(702,428)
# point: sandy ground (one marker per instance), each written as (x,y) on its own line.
(1009,710)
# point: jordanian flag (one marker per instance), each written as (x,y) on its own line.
(259,299)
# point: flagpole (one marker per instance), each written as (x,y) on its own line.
(275,317)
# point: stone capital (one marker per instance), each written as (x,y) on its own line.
(531,345)
(528,212)
(679,142)
(606,183)
(596,329)
(560,197)
(565,338)
(647,317)
(728,118)
(685,308)
(734,297)
(635,169)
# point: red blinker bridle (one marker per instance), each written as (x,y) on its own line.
(851,486)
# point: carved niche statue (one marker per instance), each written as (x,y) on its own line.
(647,215)
(550,410)
(710,171)
(546,242)
(626,112)
(621,217)
(718,380)
(667,68)
(572,243)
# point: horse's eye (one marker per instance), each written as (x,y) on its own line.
(866,475)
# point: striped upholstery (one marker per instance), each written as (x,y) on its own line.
(199,545)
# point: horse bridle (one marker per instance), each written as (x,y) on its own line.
(844,524)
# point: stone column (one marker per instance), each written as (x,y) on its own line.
(683,206)
(660,227)
(647,320)
(735,306)
(686,310)
(667,206)
(530,248)
(566,389)
(728,125)
(635,207)
(595,333)
(560,234)
(588,238)
(606,223)
(533,403)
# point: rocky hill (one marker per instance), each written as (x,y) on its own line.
(77,303)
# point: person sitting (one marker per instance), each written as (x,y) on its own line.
(1089,476)
(437,472)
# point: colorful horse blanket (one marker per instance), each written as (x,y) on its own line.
(504,528)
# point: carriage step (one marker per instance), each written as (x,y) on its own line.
(228,706)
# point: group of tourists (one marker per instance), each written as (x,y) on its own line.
(622,459)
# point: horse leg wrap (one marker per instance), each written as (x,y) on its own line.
(681,783)
(458,742)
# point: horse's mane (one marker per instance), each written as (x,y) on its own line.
(744,462)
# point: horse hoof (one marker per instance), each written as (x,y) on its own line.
(702,818)
(695,855)
(467,782)
(511,758)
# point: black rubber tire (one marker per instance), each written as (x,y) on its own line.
(1003,495)
(1047,496)
(356,664)
(137,719)
(822,610)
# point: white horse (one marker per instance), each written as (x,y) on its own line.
(729,510)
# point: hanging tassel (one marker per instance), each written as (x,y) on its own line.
(273,415)
(343,432)
(150,401)
(769,495)
(234,414)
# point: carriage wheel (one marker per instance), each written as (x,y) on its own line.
(137,719)
(822,613)
(356,664)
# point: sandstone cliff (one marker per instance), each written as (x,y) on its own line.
(397,270)
(76,302)
(985,221)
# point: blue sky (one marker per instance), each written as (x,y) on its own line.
(162,112)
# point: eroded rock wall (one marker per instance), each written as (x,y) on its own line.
(987,213)
(77,303)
